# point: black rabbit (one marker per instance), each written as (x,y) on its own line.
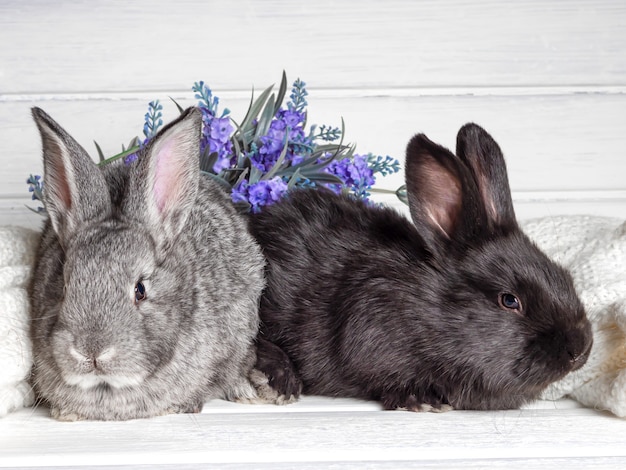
(458,309)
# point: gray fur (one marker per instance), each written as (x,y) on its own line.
(192,339)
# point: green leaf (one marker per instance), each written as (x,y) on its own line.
(255,175)
(238,152)
(240,131)
(310,165)
(312,159)
(322,177)
(264,122)
(337,150)
(255,108)
(219,179)
(243,208)
(242,176)
(243,160)
(180,108)
(238,136)
(208,159)
(40,210)
(234,174)
(281,93)
(382,191)
(118,156)
(343,132)
(100,153)
(134,142)
(294,179)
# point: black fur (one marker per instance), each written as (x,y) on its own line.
(360,302)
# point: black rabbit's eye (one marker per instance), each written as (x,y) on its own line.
(140,292)
(509,301)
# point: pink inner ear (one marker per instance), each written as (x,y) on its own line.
(58,180)
(443,196)
(167,177)
(486,194)
(63,188)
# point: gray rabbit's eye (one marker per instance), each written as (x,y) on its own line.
(140,292)
(510,302)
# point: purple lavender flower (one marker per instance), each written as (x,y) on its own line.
(220,129)
(355,174)
(292,118)
(128,159)
(225,158)
(278,124)
(261,144)
(302,146)
(259,194)
(216,134)
(207,117)
(239,193)
(35,186)
(269,152)
(274,141)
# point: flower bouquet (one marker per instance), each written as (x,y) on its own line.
(268,153)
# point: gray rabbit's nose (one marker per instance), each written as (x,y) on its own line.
(93,358)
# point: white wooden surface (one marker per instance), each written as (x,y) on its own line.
(322,432)
(546,78)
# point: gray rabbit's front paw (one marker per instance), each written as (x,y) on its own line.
(66,415)
(192,408)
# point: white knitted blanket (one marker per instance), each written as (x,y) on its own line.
(17,250)
(592,248)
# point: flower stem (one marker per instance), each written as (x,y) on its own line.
(123,154)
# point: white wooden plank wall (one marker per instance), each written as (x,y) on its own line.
(546,78)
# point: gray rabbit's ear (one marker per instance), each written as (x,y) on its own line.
(75,189)
(164,182)
(482,155)
(441,193)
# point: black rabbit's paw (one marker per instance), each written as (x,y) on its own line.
(279,372)
(267,393)
(411,402)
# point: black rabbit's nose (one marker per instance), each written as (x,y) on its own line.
(577,360)
(580,349)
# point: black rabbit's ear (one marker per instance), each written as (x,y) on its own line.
(482,155)
(75,190)
(438,192)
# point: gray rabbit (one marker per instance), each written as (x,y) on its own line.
(146,287)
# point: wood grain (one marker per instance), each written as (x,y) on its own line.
(317,431)
(147,45)
(582,159)
(546,78)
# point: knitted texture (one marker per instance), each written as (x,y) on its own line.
(594,251)
(592,248)
(17,250)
